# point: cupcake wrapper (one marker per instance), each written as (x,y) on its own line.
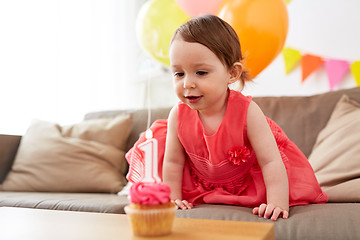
(151,222)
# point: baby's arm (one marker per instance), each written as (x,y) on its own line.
(275,176)
(174,159)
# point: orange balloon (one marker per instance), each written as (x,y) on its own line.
(261,25)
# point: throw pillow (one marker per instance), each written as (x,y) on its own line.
(336,154)
(85,157)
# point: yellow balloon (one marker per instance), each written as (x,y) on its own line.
(156,22)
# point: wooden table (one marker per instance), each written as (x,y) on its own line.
(23,223)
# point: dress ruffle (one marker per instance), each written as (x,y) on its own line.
(234,187)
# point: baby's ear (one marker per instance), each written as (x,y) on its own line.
(235,72)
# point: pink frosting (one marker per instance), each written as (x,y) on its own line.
(149,193)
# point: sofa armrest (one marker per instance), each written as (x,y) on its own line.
(8,147)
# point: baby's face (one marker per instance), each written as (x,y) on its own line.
(200,78)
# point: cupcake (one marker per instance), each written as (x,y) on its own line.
(150,211)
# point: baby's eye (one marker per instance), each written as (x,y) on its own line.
(178,74)
(201,73)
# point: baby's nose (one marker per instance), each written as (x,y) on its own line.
(189,82)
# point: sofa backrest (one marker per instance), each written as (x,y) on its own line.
(139,117)
(302,117)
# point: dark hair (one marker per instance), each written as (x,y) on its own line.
(217,35)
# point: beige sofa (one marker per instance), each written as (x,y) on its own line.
(302,118)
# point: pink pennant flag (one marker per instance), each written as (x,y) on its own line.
(336,70)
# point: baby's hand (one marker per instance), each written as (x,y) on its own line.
(182,204)
(269,210)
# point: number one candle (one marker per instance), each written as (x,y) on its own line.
(150,148)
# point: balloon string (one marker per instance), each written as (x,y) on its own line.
(148,86)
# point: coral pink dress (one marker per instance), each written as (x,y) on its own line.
(222,168)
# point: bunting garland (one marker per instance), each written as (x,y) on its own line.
(336,69)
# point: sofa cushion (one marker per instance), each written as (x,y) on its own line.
(84,202)
(336,154)
(139,117)
(314,221)
(85,157)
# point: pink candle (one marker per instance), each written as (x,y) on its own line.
(150,148)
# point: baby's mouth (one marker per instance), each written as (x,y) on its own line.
(193,99)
